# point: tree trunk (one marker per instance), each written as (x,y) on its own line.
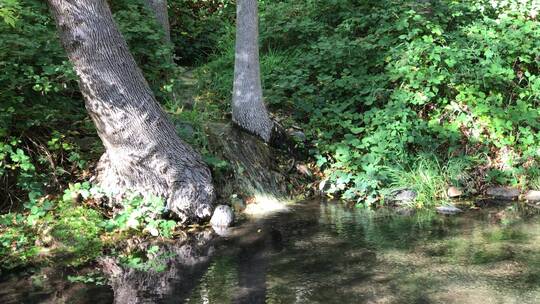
(159,8)
(248,110)
(143,151)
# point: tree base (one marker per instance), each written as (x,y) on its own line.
(253,170)
(185,185)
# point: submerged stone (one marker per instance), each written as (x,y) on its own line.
(404,211)
(503,193)
(448,209)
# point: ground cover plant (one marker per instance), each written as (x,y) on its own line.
(388,89)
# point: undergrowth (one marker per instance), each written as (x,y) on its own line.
(378,85)
(77,227)
(49,146)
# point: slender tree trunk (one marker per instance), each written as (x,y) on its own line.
(143,151)
(160,12)
(159,8)
(248,109)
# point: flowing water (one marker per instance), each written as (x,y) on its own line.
(328,253)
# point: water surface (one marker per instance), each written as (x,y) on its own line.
(328,253)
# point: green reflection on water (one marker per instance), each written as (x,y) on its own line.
(333,254)
(219,278)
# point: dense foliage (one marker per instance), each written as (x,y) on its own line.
(48,144)
(197,28)
(390,93)
(70,229)
(417,94)
(43,123)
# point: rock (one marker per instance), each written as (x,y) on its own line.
(454,192)
(448,209)
(223,216)
(297,135)
(532,196)
(403,196)
(503,193)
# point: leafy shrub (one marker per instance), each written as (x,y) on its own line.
(197,27)
(42,114)
(143,214)
(72,230)
(8,11)
(17,242)
(62,226)
(376,83)
(78,230)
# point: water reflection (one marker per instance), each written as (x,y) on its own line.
(331,254)
(169,275)
(327,253)
(50,286)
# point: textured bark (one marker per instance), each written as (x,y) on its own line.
(143,151)
(159,8)
(248,109)
(256,172)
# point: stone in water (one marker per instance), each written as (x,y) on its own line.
(223,216)
(448,209)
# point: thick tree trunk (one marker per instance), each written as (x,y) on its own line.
(248,108)
(143,151)
(159,8)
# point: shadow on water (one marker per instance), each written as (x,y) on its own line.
(50,286)
(327,253)
(331,254)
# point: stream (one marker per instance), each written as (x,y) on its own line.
(329,253)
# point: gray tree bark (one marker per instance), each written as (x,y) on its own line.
(143,151)
(159,8)
(248,109)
